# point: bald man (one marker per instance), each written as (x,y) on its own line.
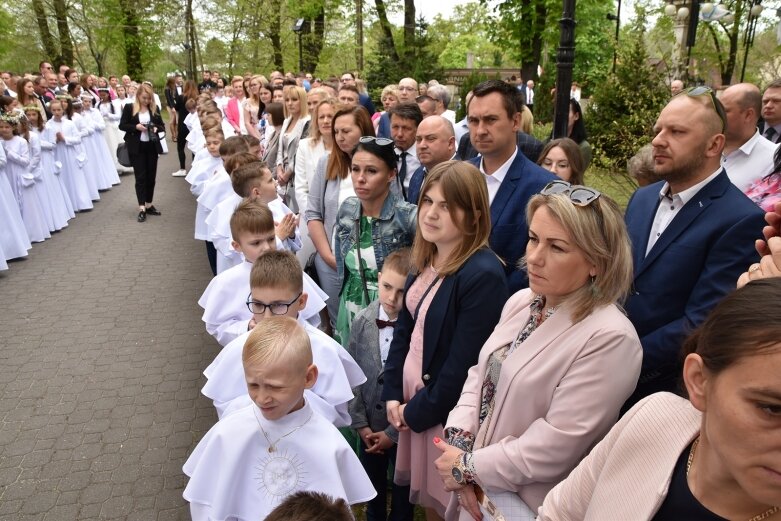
(435,142)
(408,91)
(692,236)
(748,156)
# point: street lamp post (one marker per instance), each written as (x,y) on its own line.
(565,61)
(299,28)
(748,38)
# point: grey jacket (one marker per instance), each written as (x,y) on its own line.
(367,408)
(323,198)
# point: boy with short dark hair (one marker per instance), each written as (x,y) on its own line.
(224,302)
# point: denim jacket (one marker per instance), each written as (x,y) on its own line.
(394,229)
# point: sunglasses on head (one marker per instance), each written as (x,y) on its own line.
(702,90)
(579,195)
(381,141)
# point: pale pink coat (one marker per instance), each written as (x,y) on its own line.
(628,474)
(558,394)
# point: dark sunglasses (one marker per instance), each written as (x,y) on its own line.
(702,90)
(579,195)
(381,141)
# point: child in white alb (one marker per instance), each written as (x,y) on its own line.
(277,445)
(277,288)
(225,300)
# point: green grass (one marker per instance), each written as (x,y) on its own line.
(619,186)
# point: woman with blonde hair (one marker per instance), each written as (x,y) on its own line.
(389,98)
(451,304)
(295,127)
(551,379)
(310,150)
(330,186)
(253,106)
(141,122)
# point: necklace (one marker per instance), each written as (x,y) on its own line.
(272,446)
(759,517)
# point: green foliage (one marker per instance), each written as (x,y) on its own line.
(624,108)
(420,64)
(466,31)
(469,84)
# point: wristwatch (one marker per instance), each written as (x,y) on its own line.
(459,471)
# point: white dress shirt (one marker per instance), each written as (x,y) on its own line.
(412,163)
(386,336)
(751,162)
(670,205)
(494,181)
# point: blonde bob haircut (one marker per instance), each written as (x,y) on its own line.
(145,89)
(314,127)
(275,339)
(598,230)
(464,189)
(299,94)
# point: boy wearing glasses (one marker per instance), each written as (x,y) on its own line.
(224,302)
(277,444)
(277,288)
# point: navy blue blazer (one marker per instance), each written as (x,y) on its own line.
(366,102)
(462,315)
(695,262)
(383,127)
(509,230)
(415,182)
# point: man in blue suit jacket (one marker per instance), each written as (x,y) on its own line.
(692,236)
(494,118)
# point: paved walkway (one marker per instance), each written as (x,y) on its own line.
(101,353)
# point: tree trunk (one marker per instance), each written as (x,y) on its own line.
(135,69)
(49,46)
(359,34)
(387,30)
(532,60)
(409,29)
(313,41)
(66,42)
(274,33)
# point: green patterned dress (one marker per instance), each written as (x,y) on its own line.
(352,299)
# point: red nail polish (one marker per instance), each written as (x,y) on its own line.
(436,439)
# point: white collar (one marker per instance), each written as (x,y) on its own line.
(500,172)
(687,195)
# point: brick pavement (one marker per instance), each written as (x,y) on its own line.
(101,353)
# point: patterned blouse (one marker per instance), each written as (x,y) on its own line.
(465,440)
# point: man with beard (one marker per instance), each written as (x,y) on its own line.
(692,235)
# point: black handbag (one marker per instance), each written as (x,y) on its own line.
(123,155)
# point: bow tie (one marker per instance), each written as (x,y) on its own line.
(382,324)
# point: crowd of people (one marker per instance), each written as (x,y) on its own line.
(446,301)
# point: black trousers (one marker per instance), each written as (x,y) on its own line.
(181,140)
(376,467)
(145,170)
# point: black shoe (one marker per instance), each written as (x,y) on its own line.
(153,211)
(141,216)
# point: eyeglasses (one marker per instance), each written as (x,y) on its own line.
(702,90)
(277,308)
(408,88)
(579,195)
(381,141)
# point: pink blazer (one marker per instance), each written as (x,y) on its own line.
(628,474)
(558,394)
(232,112)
